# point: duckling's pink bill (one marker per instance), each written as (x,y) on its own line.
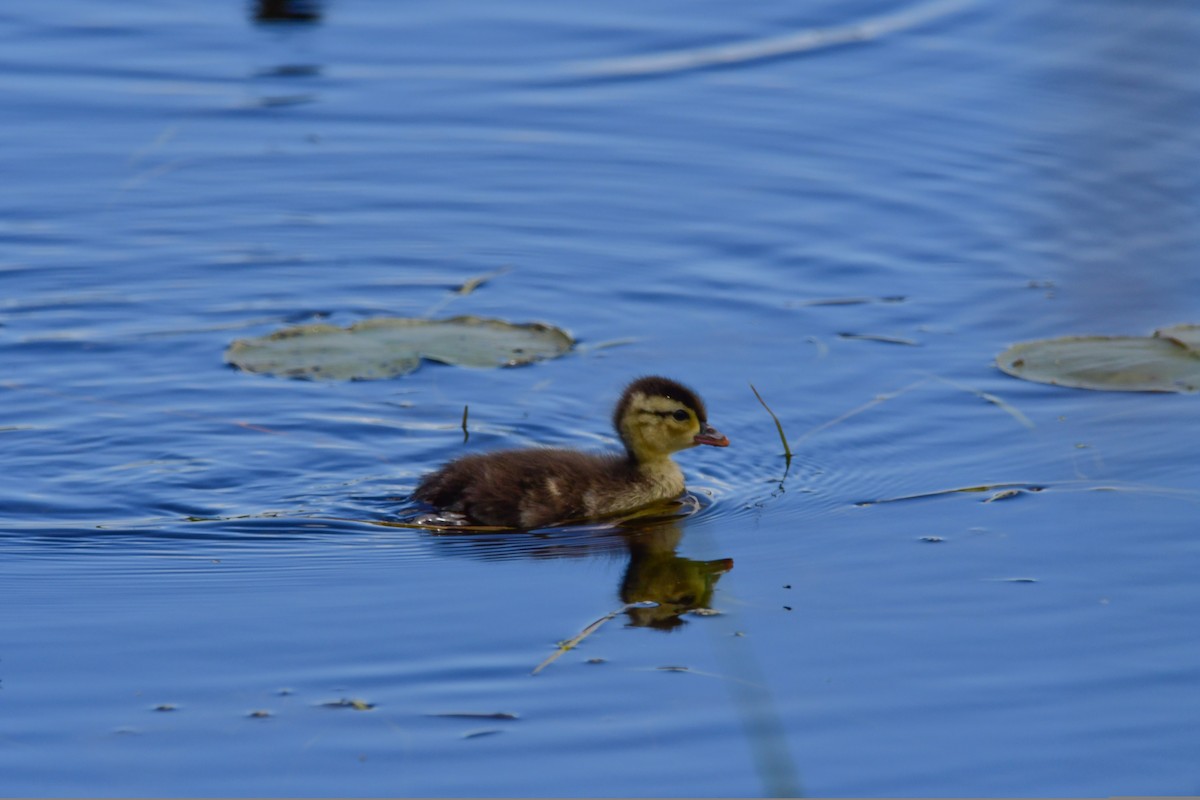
(710,435)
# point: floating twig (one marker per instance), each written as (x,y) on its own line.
(465,288)
(1000,488)
(850,301)
(787,451)
(993,399)
(585,349)
(505,715)
(466,433)
(471,284)
(571,643)
(477,734)
(874,337)
(864,407)
(1005,491)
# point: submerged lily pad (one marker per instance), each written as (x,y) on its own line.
(389,346)
(1168,361)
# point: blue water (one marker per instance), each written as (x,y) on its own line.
(194,561)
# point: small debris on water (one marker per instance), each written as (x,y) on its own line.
(346,702)
(874,337)
(476,715)
(1007,494)
(479,734)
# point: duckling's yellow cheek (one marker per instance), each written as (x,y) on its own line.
(683,435)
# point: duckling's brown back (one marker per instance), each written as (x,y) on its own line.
(525,488)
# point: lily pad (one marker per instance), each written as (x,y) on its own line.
(1168,361)
(389,346)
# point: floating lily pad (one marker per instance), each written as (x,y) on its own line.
(389,346)
(1168,361)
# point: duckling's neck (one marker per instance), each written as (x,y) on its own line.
(658,470)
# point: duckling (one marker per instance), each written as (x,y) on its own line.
(536,487)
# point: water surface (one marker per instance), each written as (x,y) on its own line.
(195,563)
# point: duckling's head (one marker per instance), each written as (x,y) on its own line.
(657,416)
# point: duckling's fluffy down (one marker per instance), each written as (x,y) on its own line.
(538,487)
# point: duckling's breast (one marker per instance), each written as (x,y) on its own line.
(650,483)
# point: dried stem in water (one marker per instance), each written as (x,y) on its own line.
(787,451)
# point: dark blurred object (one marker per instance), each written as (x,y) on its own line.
(287,10)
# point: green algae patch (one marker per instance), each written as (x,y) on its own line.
(386,347)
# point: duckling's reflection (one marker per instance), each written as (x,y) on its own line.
(657,574)
(664,584)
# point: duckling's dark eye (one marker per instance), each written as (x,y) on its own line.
(680,415)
